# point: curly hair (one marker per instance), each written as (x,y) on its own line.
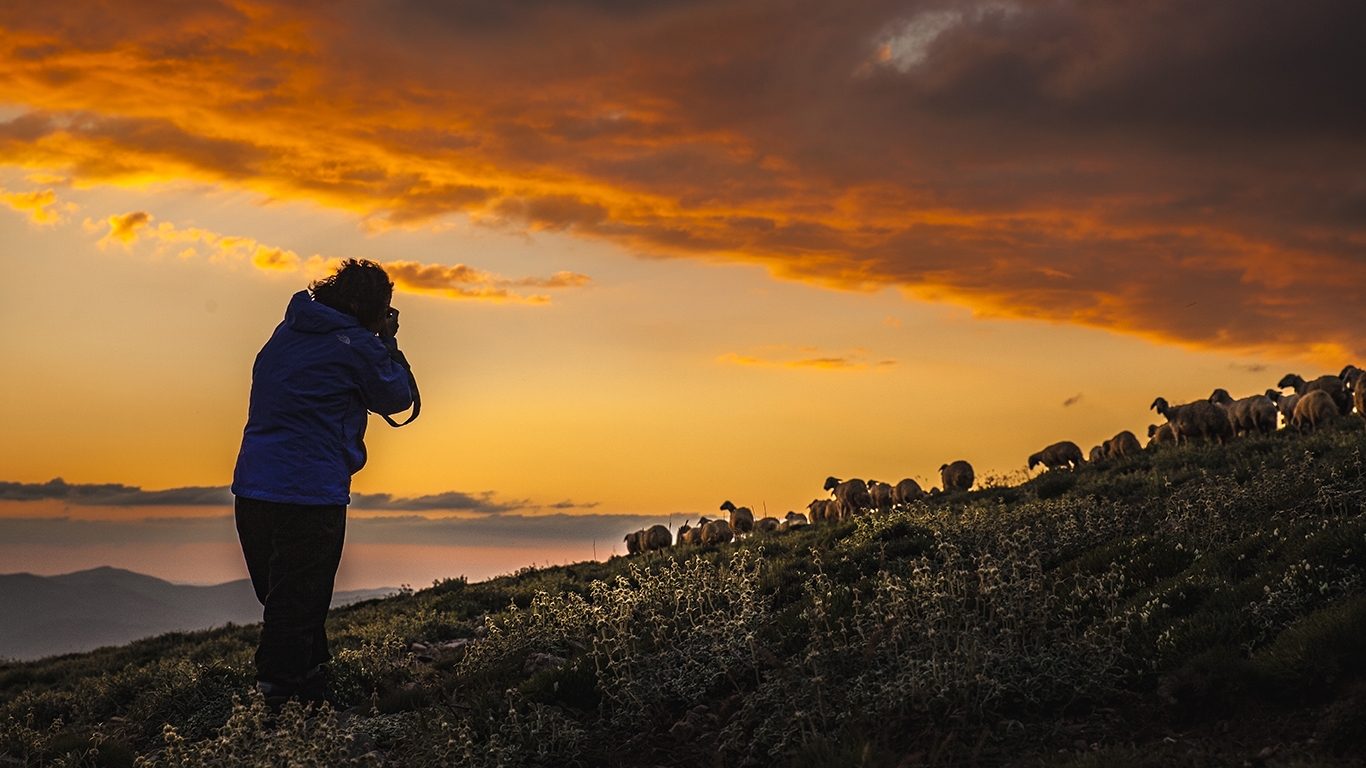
(359,287)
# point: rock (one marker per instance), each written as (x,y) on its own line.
(539,662)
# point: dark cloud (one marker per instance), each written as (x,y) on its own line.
(492,531)
(1184,172)
(1071,401)
(115,495)
(452,500)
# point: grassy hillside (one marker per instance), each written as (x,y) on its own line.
(1192,606)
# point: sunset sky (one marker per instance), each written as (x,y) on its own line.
(651,255)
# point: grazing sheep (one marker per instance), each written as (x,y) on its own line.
(958,476)
(1285,404)
(1250,414)
(881,494)
(1121,445)
(1330,384)
(717,532)
(694,535)
(766,524)
(793,520)
(1200,419)
(819,510)
(1057,455)
(741,518)
(656,537)
(1351,379)
(851,497)
(1162,435)
(1314,409)
(683,531)
(634,540)
(906,492)
(1098,452)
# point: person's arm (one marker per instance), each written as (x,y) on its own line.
(385,377)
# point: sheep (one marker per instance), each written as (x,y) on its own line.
(1285,404)
(633,542)
(693,535)
(851,497)
(1201,419)
(1330,384)
(766,524)
(1351,379)
(1315,408)
(793,520)
(881,494)
(1098,452)
(819,510)
(906,492)
(1162,435)
(1121,445)
(1250,414)
(741,518)
(1057,455)
(958,476)
(717,532)
(683,531)
(656,537)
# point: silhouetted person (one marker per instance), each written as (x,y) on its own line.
(333,359)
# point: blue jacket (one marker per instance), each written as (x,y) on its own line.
(311,387)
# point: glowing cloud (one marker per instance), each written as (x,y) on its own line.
(462,281)
(124,228)
(459,282)
(41,206)
(1072,163)
(853,361)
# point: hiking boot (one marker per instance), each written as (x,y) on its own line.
(275,694)
(317,689)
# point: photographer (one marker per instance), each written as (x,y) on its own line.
(332,359)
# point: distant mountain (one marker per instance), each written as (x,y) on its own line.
(48,615)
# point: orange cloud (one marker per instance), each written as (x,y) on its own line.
(41,206)
(124,228)
(462,281)
(853,361)
(1072,163)
(459,281)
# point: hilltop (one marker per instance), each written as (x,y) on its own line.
(1188,606)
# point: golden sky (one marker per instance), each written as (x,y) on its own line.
(654,255)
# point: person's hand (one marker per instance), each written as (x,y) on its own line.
(389,325)
(385,326)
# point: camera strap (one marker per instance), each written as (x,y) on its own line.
(397,356)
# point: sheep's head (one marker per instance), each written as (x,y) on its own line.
(1291,380)
(1152,430)
(727,506)
(943,467)
(1159,405)
(1274,395)
(1034,460)
(831,483)
(1221,397)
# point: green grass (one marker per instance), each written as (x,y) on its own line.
(1188,606)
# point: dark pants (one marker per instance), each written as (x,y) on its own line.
(292,553)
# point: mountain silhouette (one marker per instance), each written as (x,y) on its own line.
(49,615)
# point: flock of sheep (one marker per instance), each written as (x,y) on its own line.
(1219,418)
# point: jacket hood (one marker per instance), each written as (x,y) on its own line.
(308,316)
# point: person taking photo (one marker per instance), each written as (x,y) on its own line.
(331,361)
